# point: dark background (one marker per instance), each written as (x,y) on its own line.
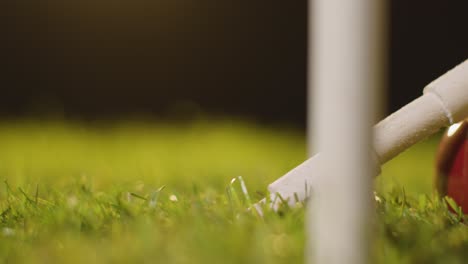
(103,59)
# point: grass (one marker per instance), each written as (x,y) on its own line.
(136,192)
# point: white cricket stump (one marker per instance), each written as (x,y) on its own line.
(343,84)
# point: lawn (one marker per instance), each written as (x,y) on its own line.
(136,192)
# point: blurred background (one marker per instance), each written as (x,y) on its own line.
(100,60)
(237,69)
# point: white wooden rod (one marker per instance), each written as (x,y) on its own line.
(445,101)
(344,78)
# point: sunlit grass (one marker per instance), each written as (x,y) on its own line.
(137,192)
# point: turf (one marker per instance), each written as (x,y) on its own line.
(136,192)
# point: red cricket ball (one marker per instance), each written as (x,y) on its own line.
(452,164)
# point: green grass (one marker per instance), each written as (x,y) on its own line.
(143,193)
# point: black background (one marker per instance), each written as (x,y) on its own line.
(88,59)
